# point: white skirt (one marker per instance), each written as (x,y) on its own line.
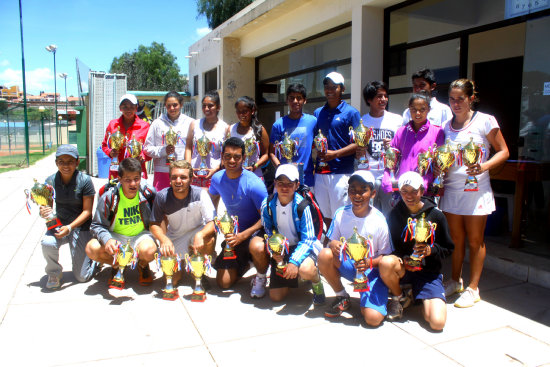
(479,202)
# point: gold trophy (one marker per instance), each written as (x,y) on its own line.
(124,255)
(424,160)
(321,144)
(171,138)
(43,195)
(421,230)
(225,225)
(361,135)
(444,158)
(133,147)
(198,265)
(287,148)
(472,153)
(357,248)
(116,141)
(169,266)
(391,159)
(203,145)
(251,146)
(277,244)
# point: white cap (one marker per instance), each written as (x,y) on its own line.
(365,176)
(129,97)
(411,178)
(288,170)
(336,78)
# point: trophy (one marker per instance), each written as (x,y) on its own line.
(277,244)
(203,145)
(116,141)
(321,144)
(251,146)
(169,265)
(421,230)
(124,255)
(472,153)
(225,225)
(444,158)
(391,158)
(198,265)
(357,248)
(424,160)
(171,138)
(43,195)
(361,135)
(286,148)
(133,148)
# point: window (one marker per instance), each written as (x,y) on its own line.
(196,85)
(211,80)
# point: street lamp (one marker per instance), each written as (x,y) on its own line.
(64,76)
(53,48)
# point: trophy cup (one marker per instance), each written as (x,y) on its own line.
(171,138)
(198,265)
(251,146)
(124,255)
(169,265)
(391,158)
(444,158)
(361,135)
(43,195)
(357,248)
(421,230)
(424,160)
(133,148)
(225,225)
(321,144)
(116,141)
(277,244)
(286,148)
(203,145)
(472,153)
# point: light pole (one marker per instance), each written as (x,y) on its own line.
(53,48)
(27,147)
(64,76)
(42,109)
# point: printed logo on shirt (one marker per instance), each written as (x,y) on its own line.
(130,216)
(337,119)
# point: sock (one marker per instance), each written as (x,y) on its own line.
(260,275)
(397,298)
(341,293)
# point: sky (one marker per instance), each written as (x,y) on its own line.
(94,31)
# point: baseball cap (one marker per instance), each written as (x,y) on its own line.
(129,97)
(67,149)
(365,176)
(336,78)
(288,170)
(411,178)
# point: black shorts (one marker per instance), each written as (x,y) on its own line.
(277,281)
(243,255)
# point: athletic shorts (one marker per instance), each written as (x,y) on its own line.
(377,297)
(331,192)
(134,240)
(425,285)
(181,244)
(161,180)
(277,281)
(243,259)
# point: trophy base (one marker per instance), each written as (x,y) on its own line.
(360,285)
(201,173)
(169,161)
(198,297)
(229,254)
(412,264)
(280,271)
(117,284)
(471,184)
(363,164)
(170,294)
(53,223)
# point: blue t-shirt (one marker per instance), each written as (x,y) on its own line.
(302,130)
(335,125)
(242,196)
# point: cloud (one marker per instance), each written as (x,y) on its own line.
(4,63)
(201,32)
(37,80)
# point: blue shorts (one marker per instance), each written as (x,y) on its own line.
(377,297)
(425,285)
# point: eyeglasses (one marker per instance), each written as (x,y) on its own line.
(236,157)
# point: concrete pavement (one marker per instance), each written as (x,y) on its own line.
(91,325)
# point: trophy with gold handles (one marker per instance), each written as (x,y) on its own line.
(198,264)
(203,145)
(225,225)
(116,141)
(287,148)
(171,138)
(421,231)
(424,162)
(43,195)
(444,158)
(124,255)
(133,147)
(321,144)
(391,158)
(472,153)
(357,248)
(361,135)
(277,244)
(251,146)
(169,266)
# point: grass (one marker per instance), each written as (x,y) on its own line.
(18,161)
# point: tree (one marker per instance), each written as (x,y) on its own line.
(150,68)
(218,11)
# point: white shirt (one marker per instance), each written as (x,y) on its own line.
(285,223)
(439,113)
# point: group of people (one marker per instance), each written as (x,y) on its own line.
(177,214)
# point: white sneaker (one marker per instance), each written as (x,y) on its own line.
(468,298)
(54,282)
(452,287)
(258,287)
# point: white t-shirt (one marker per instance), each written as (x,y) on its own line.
(216,136)
(439,113)
(383,127)
(374,224)
(285,223)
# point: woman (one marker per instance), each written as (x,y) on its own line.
(467,212)
(249,127)
(215,131)
(155,144)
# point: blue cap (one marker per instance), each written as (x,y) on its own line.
(67,149)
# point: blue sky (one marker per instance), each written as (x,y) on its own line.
(94,31)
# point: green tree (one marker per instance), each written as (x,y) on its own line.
(218,11)
(150,68)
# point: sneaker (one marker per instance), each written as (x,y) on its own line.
(468,298)
(340,305)
(258,287)
(396,305)
(318,293)
(145,275)
(452,287)
(54,282)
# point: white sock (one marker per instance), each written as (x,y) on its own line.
(342,293)
(260,275)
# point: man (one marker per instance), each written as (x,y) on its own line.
(424,82)
(189,215)
(427,283)
(130,125)
(301,128)
(74,201)
(123,213)
(281,213)
(242,193)
(334,119)
(370,224)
